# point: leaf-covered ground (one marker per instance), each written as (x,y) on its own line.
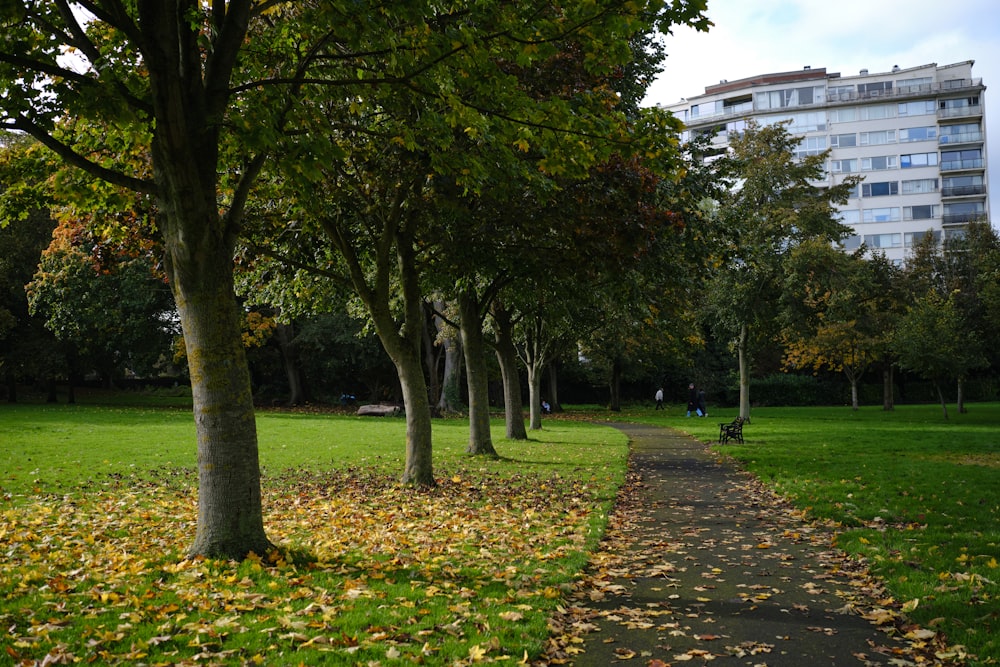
(705,563)
(369,572)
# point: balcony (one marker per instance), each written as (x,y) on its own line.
(963,190)
(970,111)
(923,90)
(961,138)
(962,218)
(962,165)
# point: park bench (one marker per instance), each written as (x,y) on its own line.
(732,431)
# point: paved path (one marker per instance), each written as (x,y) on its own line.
(703,563)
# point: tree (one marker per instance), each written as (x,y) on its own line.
(774,205)
(158,75)
(962,270)
(838,310)
(105,302)
(456,129)
(933,340)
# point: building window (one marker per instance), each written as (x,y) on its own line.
(790,97)
(706,110)
(968,159)
(883,240)
(921,108)
(927,212)
(878,112)
(878,138)
(843,140)
(810,146)
(839,93)
(875,88)
(880,189)
(847,115)
(923,82)
(888,214)
(918,160)
(911,239)
(920,186)
(880,163)
(850,216)
(737,106)
(959,103)
(844,166)
(908,134)
(852,242)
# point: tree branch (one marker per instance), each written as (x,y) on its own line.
(75,159)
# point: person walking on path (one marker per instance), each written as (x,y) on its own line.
(702,407)
(703,562)
(659,398)
(692,399)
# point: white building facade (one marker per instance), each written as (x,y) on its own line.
(917,136)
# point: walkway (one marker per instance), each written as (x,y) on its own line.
(703,563)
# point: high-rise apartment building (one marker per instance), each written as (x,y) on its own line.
(916,135)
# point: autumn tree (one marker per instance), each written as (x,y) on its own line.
(774,205)
(838,310)
(105,301)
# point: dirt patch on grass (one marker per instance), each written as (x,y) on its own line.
(964,459)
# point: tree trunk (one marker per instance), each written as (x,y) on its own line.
(432,355)
(854,394)
(554,387)
(615,386)
(888,399)
(450,400)
(535,395)
(507,358)
(477,374)
(944,404)
(961,397)
(284,335)
(419,466)
(744,363)
(451,383)
(230,519)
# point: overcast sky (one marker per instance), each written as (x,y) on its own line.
(753,37)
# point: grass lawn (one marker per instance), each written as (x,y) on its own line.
(98,504)
(916,495)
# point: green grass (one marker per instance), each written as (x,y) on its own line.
(98,505)
(916,495)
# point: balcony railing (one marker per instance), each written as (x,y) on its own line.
(961,112)
(963,190)
(961,218)
(923,90)
(908,91)
(961,138)
(956,165)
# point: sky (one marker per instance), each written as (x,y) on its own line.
(752,37)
